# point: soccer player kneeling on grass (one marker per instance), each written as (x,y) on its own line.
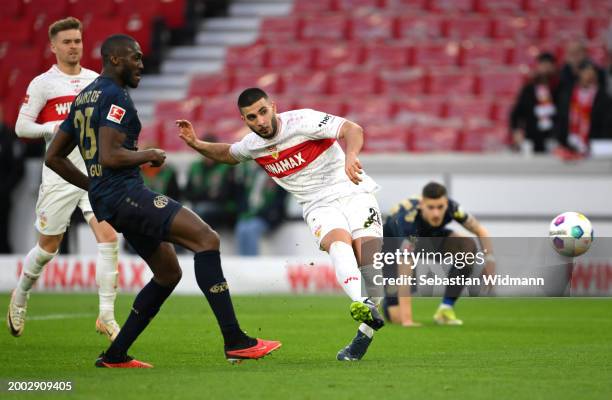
(299,149)
(104,124)
(423,222)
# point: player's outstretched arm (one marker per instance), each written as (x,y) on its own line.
(57,160)
(353,135)
(114,155)
(219,152)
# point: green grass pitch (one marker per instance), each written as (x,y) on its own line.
(507,349)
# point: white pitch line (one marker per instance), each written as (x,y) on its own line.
(59,316)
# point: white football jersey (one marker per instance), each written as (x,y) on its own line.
(304,158)
(48,100)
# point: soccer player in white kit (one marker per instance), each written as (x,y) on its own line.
(299,149)
(44,108)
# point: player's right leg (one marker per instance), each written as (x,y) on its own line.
(33,265)
(189,231)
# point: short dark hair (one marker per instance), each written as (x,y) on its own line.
(250,96)
(65,24)
(113,45)
(546,57)
(433,190)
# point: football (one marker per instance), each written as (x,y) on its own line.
(571,234)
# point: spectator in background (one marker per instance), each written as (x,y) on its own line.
(11,172)
(534,113)
(261,208)
(212,191)
(575,55)
(585,111)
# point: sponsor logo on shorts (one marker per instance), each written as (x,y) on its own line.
(219,287)
(115,114)
(373,218)
(160,201)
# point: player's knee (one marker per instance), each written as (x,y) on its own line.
(169,277)
(209,239)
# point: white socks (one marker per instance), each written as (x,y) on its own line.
(106,278)
(347,271)
(33,265)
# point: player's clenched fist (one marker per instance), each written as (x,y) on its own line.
(353,168)
(186,132)
(157,157)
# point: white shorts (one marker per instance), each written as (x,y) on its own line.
(357,214)
(55,206)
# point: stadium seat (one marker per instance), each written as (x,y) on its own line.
(83,10)
(450,6)
(297,83)
(483,139)
(319,7)
(447,81)
(499,83)
(480,54)
(251,56)
(12,8)
(409,26)
(564,27)
(369,110)
(502,108)
(516,26)
(279,30)
(169,138)
(525,52)
(470,108)
(327,104)
(386,56)
(410,82)
(205,85)
(150,134)
(354,83)
(337,56)
(356,6)
(598,52)
(50,9)
(435,54)
(411,110)
(370,27)
(549,7)
(179,109)
(288,56)
(33,57)
(264,79)
(174,12)
(16,31)
(434,138)
(410,6)
(97,31)
(468,27)
(219,108)
(598,27)
(327,28)
(499,6)
(385,138)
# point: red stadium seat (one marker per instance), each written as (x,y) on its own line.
(369,110)
(517,26)
(51,9)
(434,138)
(480,108)
(169,138)
(129,7)
(83,10)
(419,27)
(359,5)
(32,58)
(179,109)
(490,138)
(451,6)
(12,8)
(595,7)
(150,135)
(251,56)
(386,56)
(337,56)
(374,26)
(174,12)
(406,5)
(279,29)
(598,28)
(327,104)
(139,25)
(598,52)
(436,54)
(450,81)
(219,108)
(564,27)
(525,52)
(479,54)
(264,79)
(301,7)
(409,82)
(297,83)
(499,83)
(324,28)
(499,6)
(468,28)
(95,33)
(205,85)
(548,7)
(503,107)
(16,31)
(354,83)
(418,109)
(385,138)
(289,56)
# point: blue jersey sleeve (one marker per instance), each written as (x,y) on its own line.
(117,111)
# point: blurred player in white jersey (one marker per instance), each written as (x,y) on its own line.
(46,105)
(299,150)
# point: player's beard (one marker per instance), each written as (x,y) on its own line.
(127,76)
(274,127)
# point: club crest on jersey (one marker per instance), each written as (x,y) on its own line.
(160,201)
(273,151)
(115,114)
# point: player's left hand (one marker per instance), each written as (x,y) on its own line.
(353,169)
